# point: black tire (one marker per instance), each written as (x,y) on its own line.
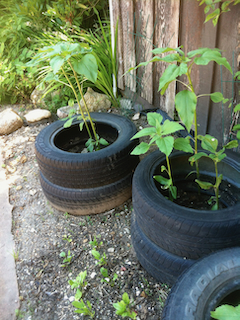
(184,231)
(87,201)
(88,170)
(160,264)
(210,282)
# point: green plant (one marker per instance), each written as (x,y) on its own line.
(226,312)
(94,243)
(124,306)
(68,60)
(100,258)
(106,277)
(67,238)
(186,104)
(79,283)
(67,258)
(215,14)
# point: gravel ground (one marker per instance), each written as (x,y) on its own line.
(43,234)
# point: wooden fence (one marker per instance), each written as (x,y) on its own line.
(147,24)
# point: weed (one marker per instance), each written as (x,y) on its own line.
(66,215)
(19,314)
(15,255)
(101,258)
(94,243)
(67,258)
(123,307)
(106,277)
(67,238)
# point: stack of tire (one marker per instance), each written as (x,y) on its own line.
(87,183)
(169,238)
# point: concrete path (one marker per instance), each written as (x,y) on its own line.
(9,300)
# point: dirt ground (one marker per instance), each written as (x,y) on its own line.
(43,235)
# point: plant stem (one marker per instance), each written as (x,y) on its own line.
(82,114)
(195,124)
(216,189)
(85,105)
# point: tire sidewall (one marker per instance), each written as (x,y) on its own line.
(125,128)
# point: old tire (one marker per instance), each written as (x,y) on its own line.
(210,282)
(87,201)
(162,265)
(88,170)
(184,231)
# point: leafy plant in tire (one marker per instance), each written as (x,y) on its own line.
(226,312)
(161,136)
(67,62)
(181,64)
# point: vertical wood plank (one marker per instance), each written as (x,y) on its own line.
(166,34)
(120,40)
(144,46)
(229,42)
(127,13)
(194,33)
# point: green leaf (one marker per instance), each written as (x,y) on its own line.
(96,254)
(56,63)
(212,55)
(68,123)
(171,127)
(193,53)
(170,74)
(152,117)
(103,142)
(125,298)
(104,272)
(165,144)
(87,66)
(237,107)
(218,181)
(144,132)
(231,144)
(197,156)
(142,148)
(164,181)
(216,97)
(183,144)
(204,185)
(173,191)
(162,50)
(186,102)
(120,307)
(238,135)
(209,143)
(226,312)
(236,127)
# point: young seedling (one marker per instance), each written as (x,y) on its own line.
(67,258)
(161,136)
(123,307)
(210,144)
(100,258)
(83,308)
(106,277)
(67,238)
(94,243)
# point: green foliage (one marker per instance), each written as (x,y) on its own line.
(94,243)
(226,312)
(186,105)
(101,259)
(215,12)
(67,258)
(161,136)
(106,277)
(123,307)
(67,60)
(24,24)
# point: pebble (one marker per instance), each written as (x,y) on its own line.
(110,250)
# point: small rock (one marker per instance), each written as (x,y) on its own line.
(9,121)
(18,188)
(96,101)
(37,115)
(63,112)
(32,192)
(23,159)
(136,116)
(93,275)
(110,250)
(72,298)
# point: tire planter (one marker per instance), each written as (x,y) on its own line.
(87,183)
(86,170)
(210,282)
(162,265)
(183,231)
